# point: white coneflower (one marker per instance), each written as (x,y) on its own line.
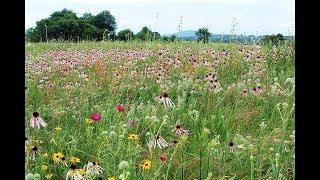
(180,131)
(164,99)
(92,168)
(74,173)
(36,120)
(159,142)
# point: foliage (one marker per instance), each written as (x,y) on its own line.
(273,39)
(203,34)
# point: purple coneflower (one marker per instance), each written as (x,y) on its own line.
(180,131)
(166,100)
(36,120)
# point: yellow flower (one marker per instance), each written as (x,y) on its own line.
(206,130)
(81,171)
(88,121)
(146,164)
(57,157)
(58,129)
(133,137)
(74,159)
(49,176)
(38,142)
(44,167)
(111,178)
(45,155)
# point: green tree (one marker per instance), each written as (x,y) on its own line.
(105,20)
(125,35)
(273,39)
(173,38)
(203,34)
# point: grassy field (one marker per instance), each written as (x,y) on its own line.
(180,110)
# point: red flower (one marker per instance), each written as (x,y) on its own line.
(95,116)
(120,108)
(163,157)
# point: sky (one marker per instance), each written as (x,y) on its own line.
(249,17)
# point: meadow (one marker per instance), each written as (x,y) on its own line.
(180,110)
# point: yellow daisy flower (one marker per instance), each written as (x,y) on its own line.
(74,160)
(111,178)
(146,164)
(44,167)
(133,137)
(88,121)
(81,171)
(58,129)
(57,157)
(49,176)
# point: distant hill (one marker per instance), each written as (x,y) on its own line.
(190,35)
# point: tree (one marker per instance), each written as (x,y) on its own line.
(67,26)
(147,35)
(173,38)
(203,34)
(273,39)
(105,20)
(125,35)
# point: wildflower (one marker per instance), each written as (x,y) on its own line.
(120,108)
(58,129)
(180,131)
(92,168)
(95,117)
(123,165)
(132,122)
(133,137)
(88,121)
(164,99)
(82,171)
(163,157)
(36,120)
(57,157)
(49,176)
(74,160)
(231,146)
(73,173)
(146,164)
(206,130)
(159,142)
(44,167)
(111,178)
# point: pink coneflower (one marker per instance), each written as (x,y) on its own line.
(36,120)
(180,131)
(164,99)
(257,90)
(95,116)
(132,122)
(120,108)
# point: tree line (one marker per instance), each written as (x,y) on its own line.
(65,25)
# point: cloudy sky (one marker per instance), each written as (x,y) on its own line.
(256,17)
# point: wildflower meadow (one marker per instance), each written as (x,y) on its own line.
(159,110)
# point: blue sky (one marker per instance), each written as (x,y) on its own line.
(256,17)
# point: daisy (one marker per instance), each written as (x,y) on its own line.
(146,164)
(36,120)
(111,178)
(133,137)
(92,168)
(164,99)
(49,176)
(57,157)
(180,131)
(74,173)
(74,160)
(159,142)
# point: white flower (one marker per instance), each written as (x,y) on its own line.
(36,120)
(92,168)
(159,142)
(74,175)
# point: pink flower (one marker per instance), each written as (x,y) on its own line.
(180,131)
(95,116)
(36,120)
(120,108)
